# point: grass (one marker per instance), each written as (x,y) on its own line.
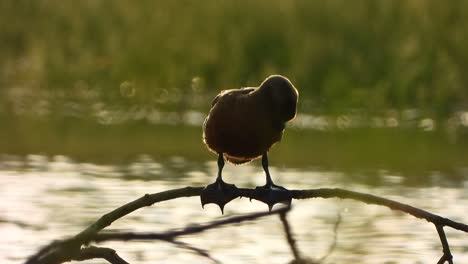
(364,54)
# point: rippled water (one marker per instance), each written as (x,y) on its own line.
(47,198)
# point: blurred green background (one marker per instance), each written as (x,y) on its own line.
(102,101)
(383,84)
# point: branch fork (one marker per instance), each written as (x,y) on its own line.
(75,248)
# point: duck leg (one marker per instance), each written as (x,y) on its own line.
(219,192)
(271,193)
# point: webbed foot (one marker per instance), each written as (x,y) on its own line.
(219,193)
(272,194)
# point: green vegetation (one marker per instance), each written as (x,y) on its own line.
(372,55)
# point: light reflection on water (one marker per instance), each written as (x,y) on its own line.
(50,198)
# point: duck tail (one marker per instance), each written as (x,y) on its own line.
(237,160)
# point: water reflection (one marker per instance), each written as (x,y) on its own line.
(46,198)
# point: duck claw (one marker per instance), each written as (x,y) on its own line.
(272,194)
(219,193)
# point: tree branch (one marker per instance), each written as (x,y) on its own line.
(100,252)
(445,246)
(67,249)
(62,252)
(437,220)
(372,199)
(169,236)
(191,229)
(199,251)
(289,237)
(335,239)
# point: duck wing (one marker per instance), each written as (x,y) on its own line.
(232,92)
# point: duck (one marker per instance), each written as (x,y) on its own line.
(241,126)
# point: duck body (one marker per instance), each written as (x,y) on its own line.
(244,123)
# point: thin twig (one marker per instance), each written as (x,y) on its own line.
(445,246)
(170,236)
(335,239)
(199,251)
(191,229)
(289,236)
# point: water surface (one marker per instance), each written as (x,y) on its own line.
(51,197)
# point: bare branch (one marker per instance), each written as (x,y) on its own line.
(372,199)
(445,246)
(437,220)
(67,249)
(146,200)
(100,252)
(289,236)
(34,258)
(62,252)
(169,236)
(199,251)
(335,239)
(191,229)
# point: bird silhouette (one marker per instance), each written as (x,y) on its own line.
(242,125)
